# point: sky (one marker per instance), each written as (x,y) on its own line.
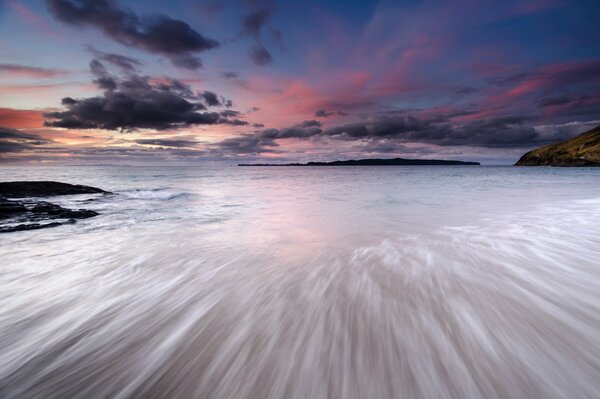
(191,81)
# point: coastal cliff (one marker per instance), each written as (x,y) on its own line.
(582,150)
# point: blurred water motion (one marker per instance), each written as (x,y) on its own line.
(427,282)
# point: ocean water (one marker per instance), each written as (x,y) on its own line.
(324,282)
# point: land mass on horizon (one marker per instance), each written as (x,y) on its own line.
(581,150)
(369,162)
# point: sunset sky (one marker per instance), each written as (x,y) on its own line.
(190,81)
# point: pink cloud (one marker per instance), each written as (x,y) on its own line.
(31,18)
(21,119)
(11,71)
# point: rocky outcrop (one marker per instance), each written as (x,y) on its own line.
(28,214)
(52,210)
(582,150)
(22,189)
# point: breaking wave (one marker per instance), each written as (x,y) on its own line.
(507,307)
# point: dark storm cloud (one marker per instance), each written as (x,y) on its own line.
(233,122)
(571,100)
(229,74)
(311,123)
(179,143)
(277,38)
(260,55)
(12,140)
(14,134)
(228,113)
(134,102)
(321,113)
(502,132)
(102,78)
(553,101)
(258,14)
(265,140)
(68,101)
(124,63)
(492,133)
(211,98)
(383,131)
(253,22)
(584,107)
(246,144)
(157,34)
(186,61)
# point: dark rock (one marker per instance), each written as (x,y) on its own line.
(10,208)
(81,214)
(21,215)
(49,208)
(53,210)
(22,189)
(28,226)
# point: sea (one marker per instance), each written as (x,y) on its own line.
(307,282)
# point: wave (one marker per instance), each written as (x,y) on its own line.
(154,194)
(507,307)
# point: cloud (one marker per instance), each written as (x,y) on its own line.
(30,72)
(124,63)
(311,123)
(211,98)
(499,132)
(178,143)
(564,131)
(321,113)
(258,14)
(265,141)
(552,101)
(229,74)
(12,140)
(102,79)
(253,22)
(260,55)
(134,102)
(277,38)
(581,100)
(20,118)
(385,131)
(229,113)
(246,144)
(575,75)
(157,34)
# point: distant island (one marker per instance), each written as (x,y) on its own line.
(369,162)
(582,150)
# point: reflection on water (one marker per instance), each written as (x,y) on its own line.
(335,283)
